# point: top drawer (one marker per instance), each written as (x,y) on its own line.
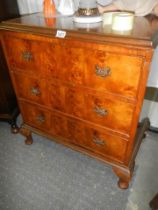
(116,73)
(97,68)
(102,70)
(33,57)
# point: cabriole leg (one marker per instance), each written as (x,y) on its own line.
(26,132)
(124,176)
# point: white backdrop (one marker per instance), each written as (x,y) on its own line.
(30,6)
(153,77)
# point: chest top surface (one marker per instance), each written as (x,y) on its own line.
(144,32)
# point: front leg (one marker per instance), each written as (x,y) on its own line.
(27,133)
(124,176)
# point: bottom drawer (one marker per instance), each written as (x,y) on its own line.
(97,140)
(81,134)
(44,120)
(35,116)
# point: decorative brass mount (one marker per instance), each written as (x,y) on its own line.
(88,11)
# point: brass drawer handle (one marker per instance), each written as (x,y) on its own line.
(35,91)
(102,72)
(98,141)
(40,118)
(27,56)
(100,111)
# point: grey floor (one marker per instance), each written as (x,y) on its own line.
(49,176)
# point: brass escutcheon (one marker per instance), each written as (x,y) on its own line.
(102,72)
(35,91)
(41,118)
(98,141)
(100,111)
(27,56)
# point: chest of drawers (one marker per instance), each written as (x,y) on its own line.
(84,91)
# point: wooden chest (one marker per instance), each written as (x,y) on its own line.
(84,90)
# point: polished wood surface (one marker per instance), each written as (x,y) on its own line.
(102,109)
(85,63)
(85,90)
(144,32)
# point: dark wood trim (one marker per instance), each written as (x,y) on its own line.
(141,133)
(8,107)
(151,94)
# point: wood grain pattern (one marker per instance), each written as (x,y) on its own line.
(75,131)
(99,108)
(40,61)
(125,72)
(78,65)
(86,90)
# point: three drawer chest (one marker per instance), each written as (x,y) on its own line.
(82,86)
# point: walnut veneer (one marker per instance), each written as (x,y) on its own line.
(85,90)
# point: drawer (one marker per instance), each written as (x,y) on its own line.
(42,91)
(110,112)
(50,122)
(31,89)
(97,140)
(33,57)
(35,116)
(82,134)
(96,69)
(116,73)
(72,64)
(101,70)
(105,110)
(105,144)
(100,109)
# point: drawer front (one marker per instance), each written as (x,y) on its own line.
(105,111)
(105,144)
(110,112)
(38,90)
(31,89)
(114,73)
(35,116)
(72,65)
(42,119)
(33,57)
(98,69)
(95,140)
(101,70)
